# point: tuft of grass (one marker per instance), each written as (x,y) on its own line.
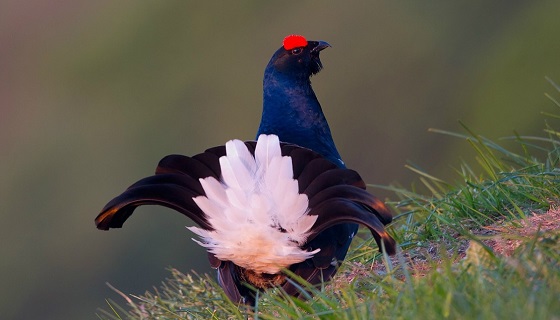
(182,296)
(509,186)
(448,265)
(480,286)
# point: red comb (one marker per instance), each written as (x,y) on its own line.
(294,41)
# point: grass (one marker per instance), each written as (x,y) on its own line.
(484,248)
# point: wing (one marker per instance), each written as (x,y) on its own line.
(174,185)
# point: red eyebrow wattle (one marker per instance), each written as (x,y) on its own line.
(294,41)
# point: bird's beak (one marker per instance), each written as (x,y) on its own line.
(320,46)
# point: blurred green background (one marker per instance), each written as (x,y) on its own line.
(94,93)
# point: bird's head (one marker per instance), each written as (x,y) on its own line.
(298,57)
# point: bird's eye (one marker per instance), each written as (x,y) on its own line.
(297,50)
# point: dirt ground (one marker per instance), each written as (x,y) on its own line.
(502,238)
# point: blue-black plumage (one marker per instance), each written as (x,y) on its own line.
(292,111)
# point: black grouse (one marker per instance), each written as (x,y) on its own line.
(285,201)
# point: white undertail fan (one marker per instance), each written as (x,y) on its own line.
(257,206)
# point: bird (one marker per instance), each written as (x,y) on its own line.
(284,201)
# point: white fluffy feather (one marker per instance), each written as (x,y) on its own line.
(259,218)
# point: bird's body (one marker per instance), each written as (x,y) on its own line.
(292,111)
(285,201)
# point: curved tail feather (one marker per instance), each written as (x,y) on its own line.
(336,199)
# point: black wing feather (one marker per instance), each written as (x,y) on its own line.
(118,210)
(340,210)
